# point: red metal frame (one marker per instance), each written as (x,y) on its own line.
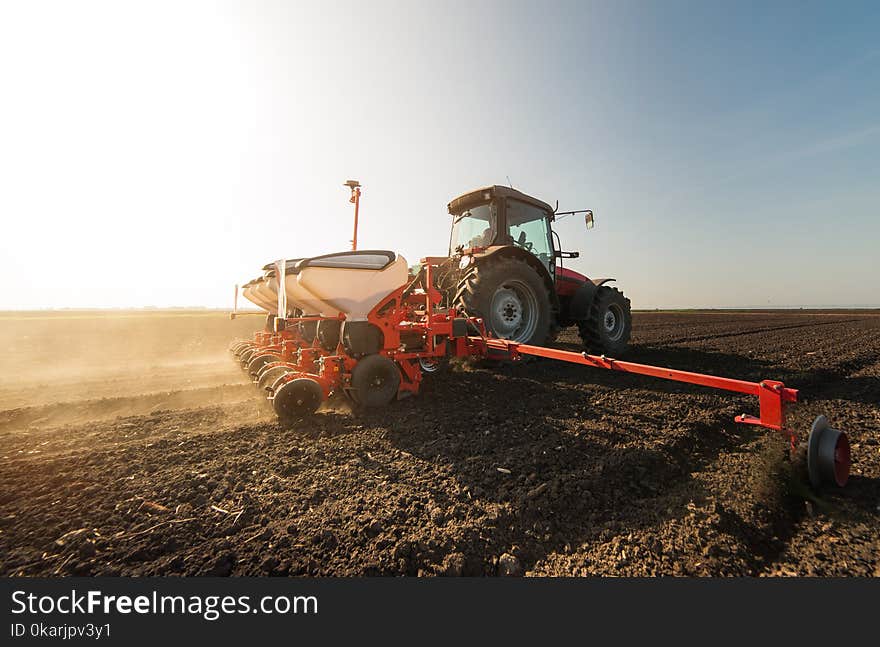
(405,310)
(414,309)
(288,343)
(772,395)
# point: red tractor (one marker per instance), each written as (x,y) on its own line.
(510,274)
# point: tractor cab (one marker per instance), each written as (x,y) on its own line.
(501,216)
(509,273)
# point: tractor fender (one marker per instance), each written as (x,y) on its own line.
(582,299)
(509,251)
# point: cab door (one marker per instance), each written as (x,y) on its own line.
(529,228)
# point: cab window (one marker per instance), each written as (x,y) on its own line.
(529,228)
(474,227)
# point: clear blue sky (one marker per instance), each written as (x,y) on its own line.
(730,151)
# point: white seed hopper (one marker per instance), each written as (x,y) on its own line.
(297,296)
(253,292)
(267,294)
(350,282)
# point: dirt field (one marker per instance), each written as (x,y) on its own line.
(131,444)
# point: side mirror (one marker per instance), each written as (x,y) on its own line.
(588,219)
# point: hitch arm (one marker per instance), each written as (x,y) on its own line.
(772,395)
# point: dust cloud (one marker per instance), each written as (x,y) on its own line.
(117,362)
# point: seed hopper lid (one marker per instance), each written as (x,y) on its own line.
(366,259)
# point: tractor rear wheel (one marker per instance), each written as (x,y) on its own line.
(607,330)
(510,297)
(375,380)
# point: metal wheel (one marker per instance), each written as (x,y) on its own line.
(514,311)
(240,347)
(267,377)
(245,357)
(613,322)
(297,398)
(280,381)
(828,455)
(375,381)
(256,364)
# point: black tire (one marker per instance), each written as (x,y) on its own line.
(257,363)
(608,328)
(328,334)
(297,398)
(375,381)
(511,298)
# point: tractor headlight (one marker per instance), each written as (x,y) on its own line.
(465,261)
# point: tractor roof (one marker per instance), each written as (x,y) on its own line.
(478,196)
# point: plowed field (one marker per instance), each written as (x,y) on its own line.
(132,444)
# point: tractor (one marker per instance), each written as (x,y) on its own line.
(507,270)
(363,324)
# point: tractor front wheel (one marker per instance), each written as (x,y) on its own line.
(607,330)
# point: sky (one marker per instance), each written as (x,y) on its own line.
(156,153)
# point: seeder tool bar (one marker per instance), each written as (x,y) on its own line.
(772,395)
